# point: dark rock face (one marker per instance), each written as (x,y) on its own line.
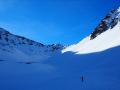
(100,29)
(108,22)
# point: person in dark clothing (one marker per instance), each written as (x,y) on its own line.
(82,78)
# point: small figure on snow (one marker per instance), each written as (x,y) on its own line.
(82,78)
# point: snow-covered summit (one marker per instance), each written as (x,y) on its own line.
(18,47)
(109,22)
(106,35)
(2,30)
(118,9)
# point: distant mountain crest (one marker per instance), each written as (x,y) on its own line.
(12,39)
(18,45)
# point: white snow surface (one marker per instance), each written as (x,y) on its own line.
(106,40)
(27,67)
(64,72)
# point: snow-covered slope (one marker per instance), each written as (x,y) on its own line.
(67,71)
(101,71)
(106,35)
(23,49)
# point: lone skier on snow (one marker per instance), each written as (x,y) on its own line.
(82,78)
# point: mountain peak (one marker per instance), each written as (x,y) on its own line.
(118,9)
(2,29)
(109,21)
(105,36)
(19,45)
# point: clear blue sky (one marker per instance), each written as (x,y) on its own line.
(54,21)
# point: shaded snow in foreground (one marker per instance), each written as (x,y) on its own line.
(63,72)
